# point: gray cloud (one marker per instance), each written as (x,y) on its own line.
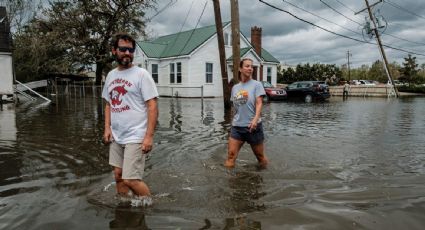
(292,41)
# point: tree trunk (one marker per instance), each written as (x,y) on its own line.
(99,71)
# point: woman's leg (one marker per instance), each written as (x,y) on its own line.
(233,149)
(258,150)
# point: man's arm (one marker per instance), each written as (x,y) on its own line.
(107,133)
(147,143)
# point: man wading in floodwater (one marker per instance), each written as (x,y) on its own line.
(130,117)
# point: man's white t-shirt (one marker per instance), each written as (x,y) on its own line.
(127,91)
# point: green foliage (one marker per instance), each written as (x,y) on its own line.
(74,34)
(319,72)
(409,70)
(412,88)
(376,72)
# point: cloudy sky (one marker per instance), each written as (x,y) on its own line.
(293,41)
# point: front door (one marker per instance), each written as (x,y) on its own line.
(254,72)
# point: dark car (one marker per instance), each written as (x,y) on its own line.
(308,91)
(273,93)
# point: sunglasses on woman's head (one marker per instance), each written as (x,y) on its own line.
(124,49)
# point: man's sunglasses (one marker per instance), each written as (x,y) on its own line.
(124,49)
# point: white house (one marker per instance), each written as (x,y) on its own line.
(187,64)
(6,73)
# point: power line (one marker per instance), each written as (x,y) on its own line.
(196,26)
(403,9)
(172,2)
(191,33)
(340,13)
(403,39)
(345,6)
(321,17)
(329,31)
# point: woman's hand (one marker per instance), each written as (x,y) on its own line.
(253,125)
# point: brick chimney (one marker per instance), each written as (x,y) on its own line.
(256,39)
(256,43)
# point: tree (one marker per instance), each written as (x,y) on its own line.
(81,31)
(20,12)
(409,69)
(288,76)
(34,55)
(377,72)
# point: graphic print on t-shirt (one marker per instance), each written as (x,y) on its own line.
(241,97)
(116,95)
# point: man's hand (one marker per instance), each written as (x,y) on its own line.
(147,145)
(107,136)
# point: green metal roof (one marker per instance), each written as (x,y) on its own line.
(178,44)
(186,42)
(267,56)
(242,52)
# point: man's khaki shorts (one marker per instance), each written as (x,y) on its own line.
(129,158)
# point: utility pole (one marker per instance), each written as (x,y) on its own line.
(348,65)
(222,54)
(381,49)
(235,38)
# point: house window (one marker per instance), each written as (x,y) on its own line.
(209,73)
(226,39)
(269,74)
(176,72)
(179,72)
(155,72)
(172,73)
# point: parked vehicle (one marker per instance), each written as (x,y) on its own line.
(363,82)
(366,82)
(273,93)
(308,91)
(397,83)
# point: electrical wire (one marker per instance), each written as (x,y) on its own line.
(172,2)
(403,39)
(403,9)
(191,34)
(321,17)
(337,34)
(340,13)
(196,26)
(345,6)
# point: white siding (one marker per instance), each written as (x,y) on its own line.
(6,76)
(194,69)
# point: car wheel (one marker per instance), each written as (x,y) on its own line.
(266,98)
(308,98)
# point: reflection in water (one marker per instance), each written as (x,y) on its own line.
(175,113)
(246,187)
(245,198)
(127,218)
(336,165)
(10,161)
(241,222)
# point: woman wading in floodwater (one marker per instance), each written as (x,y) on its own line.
(247,97)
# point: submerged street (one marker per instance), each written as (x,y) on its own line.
(354,164)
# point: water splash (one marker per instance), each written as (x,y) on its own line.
(106,188)
(141,201)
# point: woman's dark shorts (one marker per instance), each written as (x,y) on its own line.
(242,134)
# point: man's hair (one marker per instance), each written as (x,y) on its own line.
(122,36)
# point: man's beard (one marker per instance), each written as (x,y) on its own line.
(124,61)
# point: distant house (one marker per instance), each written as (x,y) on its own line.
(181,63)
(6,74)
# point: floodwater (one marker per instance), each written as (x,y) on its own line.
(354,164)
